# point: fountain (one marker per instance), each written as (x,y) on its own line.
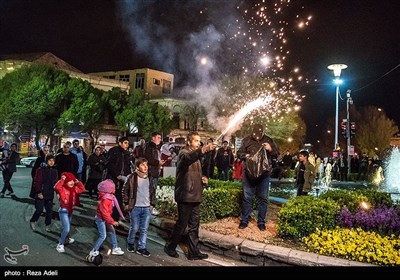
(391,166)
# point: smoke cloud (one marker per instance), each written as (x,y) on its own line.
(187,39)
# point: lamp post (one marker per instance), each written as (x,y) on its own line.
(337,69)
(348,133)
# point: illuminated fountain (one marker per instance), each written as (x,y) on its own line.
(391,183)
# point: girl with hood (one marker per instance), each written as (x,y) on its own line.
(68,189)
(104,221)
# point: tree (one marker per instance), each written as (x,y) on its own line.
(86,109)
(143,116)
(33,96)
(373,131)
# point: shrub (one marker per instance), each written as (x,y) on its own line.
(304,215)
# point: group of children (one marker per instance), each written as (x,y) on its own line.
(138,200)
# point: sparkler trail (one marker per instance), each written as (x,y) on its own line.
(241,114)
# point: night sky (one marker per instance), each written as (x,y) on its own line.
(173,35)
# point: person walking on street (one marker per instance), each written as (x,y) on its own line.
(153,155)
(258,144)
(10,162)
(118,168)
(104,222)
(138,199)
(97,163)
(305,174)
(188,195)
(46,177)
(68,189)
(43,152)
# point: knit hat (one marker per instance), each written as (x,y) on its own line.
(106,186)
(68,177)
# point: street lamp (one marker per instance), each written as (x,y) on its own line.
(337,69)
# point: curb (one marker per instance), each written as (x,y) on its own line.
(257,253)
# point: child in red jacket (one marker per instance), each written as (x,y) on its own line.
(237,174)
(105,223)
(68,189)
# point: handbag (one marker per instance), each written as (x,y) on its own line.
(258,164)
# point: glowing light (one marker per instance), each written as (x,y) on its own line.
(365,205)
(265,60)
(203,61)
(242,113)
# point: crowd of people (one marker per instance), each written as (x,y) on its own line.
(124,182)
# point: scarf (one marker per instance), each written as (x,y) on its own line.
(115,203)
(141,174)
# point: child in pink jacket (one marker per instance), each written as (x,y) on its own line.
(104,221)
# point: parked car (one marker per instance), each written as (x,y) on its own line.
(28,161)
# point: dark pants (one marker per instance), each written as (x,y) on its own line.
(7,175)
(300,190)
(188,216)
(260,189)
(39,204)
(91,186)
(224,170)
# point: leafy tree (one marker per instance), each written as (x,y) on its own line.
(86,109)
(34,96)
(143,115)
(373,130)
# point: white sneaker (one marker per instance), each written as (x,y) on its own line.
(60,248)
(33,226)
(117,251)
(94,253)
(71,240)
(155,212)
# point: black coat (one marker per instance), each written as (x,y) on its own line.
(97,164)
(189,185)
(152,154)
(45,179)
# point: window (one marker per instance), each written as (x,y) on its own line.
(166,86)
(156,82)
(110,77)
(139,83)
(124,78)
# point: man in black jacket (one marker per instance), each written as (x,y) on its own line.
(10,162)
(118,169)
(153,155)
(188,195)
(256,184)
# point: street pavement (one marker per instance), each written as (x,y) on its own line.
(16,234)
(224,251)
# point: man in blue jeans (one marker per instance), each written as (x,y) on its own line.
(257,152)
